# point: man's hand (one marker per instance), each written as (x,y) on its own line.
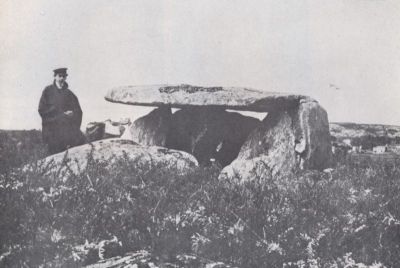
(69,113)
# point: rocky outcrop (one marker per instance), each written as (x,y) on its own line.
(210,134)
(152,129)
(108,151)
(284,142)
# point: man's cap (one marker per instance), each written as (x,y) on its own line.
(60,71)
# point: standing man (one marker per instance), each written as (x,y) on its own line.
(61,115)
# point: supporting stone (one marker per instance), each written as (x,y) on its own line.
(285,141)
(152,129)
(312,136)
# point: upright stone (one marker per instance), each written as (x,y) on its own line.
(313,139)
(152,129)
(268,151)
(286,140)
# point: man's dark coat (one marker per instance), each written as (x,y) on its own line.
(59,131)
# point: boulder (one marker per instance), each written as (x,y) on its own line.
(210,134)
(286,140)
(108,151)
(186,96)
(153,128)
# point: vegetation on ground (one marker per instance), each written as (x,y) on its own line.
(20,146)
(345,217)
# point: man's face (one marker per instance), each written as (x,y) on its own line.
(60,78)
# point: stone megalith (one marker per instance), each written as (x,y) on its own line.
(294,135)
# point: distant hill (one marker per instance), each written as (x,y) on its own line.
(367,135)
(352,130)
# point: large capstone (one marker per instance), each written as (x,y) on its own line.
(187,96)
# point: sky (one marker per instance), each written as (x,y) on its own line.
(343,53)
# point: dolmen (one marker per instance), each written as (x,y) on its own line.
(294,134)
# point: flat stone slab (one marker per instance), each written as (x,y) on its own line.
(186,96)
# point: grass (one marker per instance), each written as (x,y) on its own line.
(348,217)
